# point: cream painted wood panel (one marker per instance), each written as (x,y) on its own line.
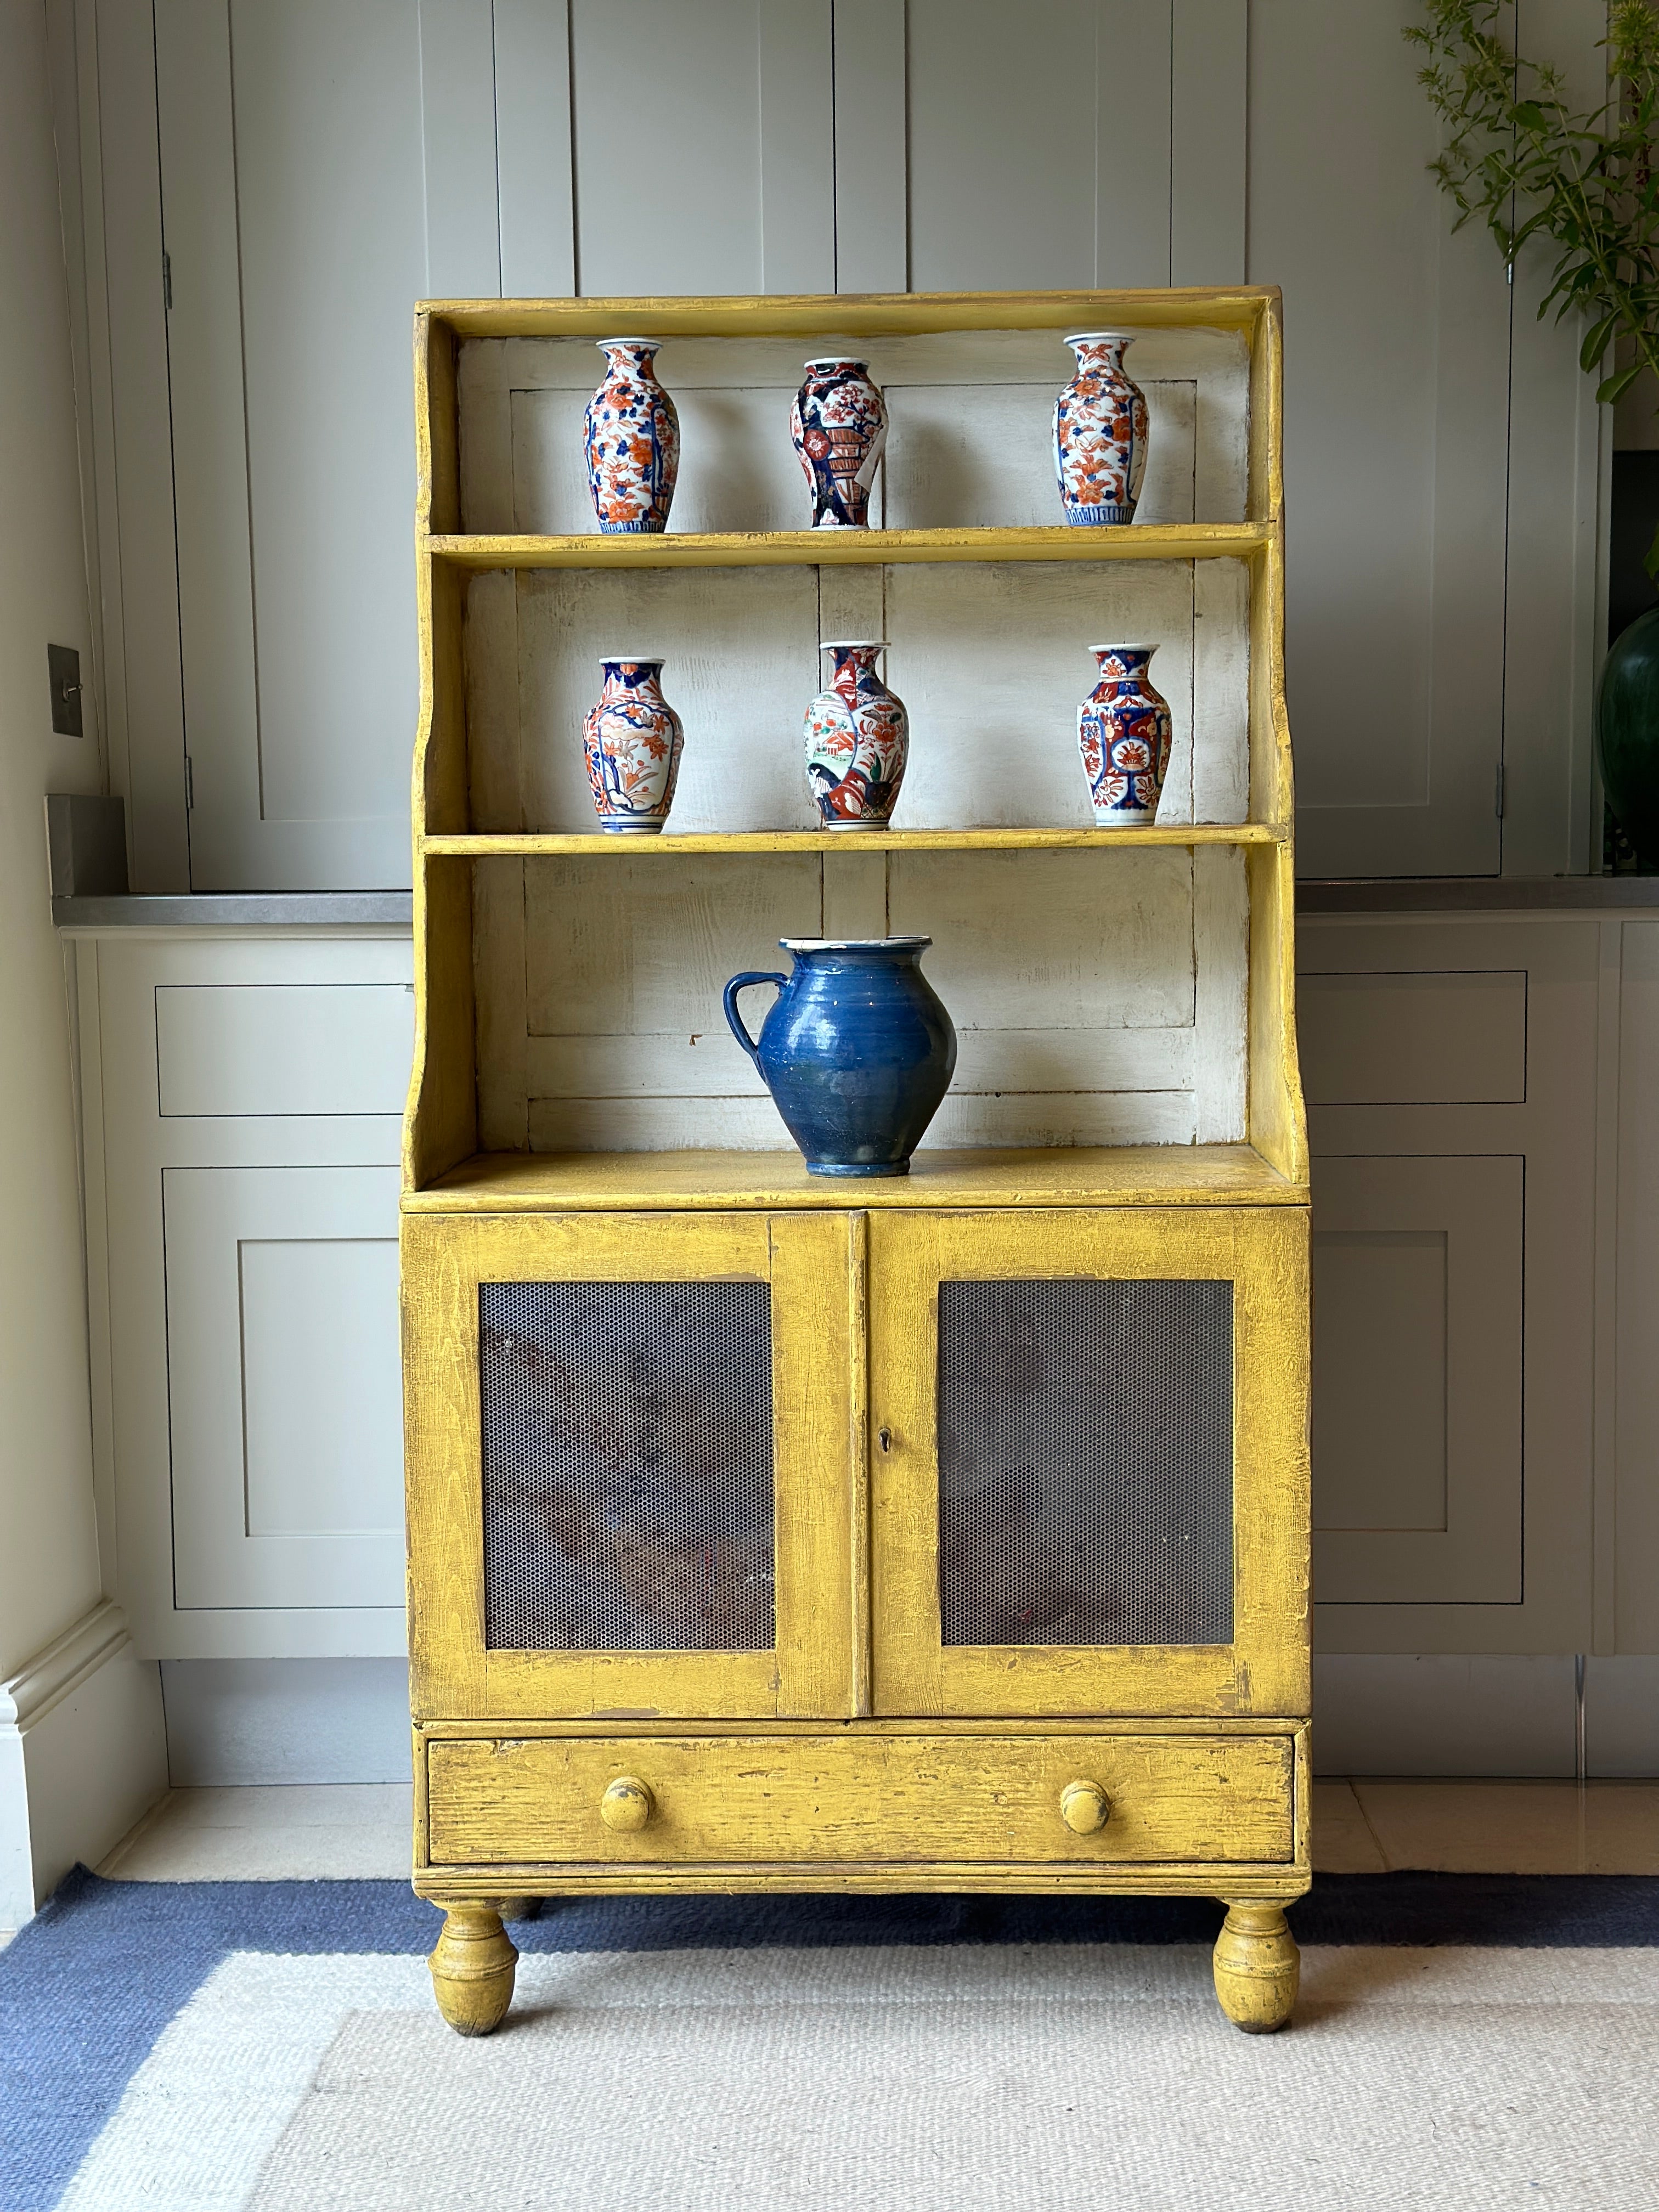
(1420,394)
(1113,1013)
(295,217)
(283,1048)
(1038,144)
(1455,1203)
(991,659)
(969,442)
(242,1288)
(1635,1501)
(1417,1423)
(283,1370)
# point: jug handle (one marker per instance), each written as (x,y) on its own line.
(741,984)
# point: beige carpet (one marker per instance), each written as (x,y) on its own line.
(992,2080)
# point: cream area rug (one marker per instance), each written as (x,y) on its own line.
(964,2077)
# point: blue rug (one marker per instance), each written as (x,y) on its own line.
(89,1986)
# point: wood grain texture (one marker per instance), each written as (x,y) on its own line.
(484,844)
(814,549)
(818,1800)
(1264,1669)
(1060,1175)
(869,314)
(1258,1968)
(807,1260)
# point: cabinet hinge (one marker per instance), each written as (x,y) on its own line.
(190,785)
(1497,792)
(167,280)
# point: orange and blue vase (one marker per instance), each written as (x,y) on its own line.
(632,740)
(857,740)
(1124,734)
(632,440)
(1100,433)
(839,427)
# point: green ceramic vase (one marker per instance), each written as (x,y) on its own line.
(1627,734)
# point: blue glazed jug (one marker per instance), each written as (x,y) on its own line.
(856,1050)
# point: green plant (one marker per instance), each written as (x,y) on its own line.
(1517,156)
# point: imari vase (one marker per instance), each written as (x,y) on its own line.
(857,740)
(1124,734)
(633,740)
(632,439)
(1100,433)
(839,425)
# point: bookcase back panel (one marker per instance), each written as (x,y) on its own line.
(969,416)
(990,658)
(1098,999)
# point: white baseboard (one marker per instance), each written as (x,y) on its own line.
(1444,1715)
(1621,1717)
(82,1757)
(234,1722)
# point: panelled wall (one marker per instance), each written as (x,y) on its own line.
(266,186)
(256,190)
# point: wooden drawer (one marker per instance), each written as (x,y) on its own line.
(860,1798)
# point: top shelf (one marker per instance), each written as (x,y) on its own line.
(1185,541)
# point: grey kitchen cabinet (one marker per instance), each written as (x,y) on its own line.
(242,1095)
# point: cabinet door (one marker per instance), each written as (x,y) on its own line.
(630,1444)
(1089,1461)
(282,1373)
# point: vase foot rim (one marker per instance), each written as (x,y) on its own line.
(830,1167)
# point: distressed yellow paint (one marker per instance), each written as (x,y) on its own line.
(859,1755)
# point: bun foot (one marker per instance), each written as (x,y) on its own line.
(1257,1968)
(472,1968)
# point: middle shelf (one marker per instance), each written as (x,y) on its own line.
(743,548)
(479,844)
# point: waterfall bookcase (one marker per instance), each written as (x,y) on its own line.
(767,1533)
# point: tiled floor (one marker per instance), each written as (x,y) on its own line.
(299,1833)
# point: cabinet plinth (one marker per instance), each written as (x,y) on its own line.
(948,1532)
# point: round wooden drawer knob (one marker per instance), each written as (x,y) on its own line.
(627,1805)
(1084,1807)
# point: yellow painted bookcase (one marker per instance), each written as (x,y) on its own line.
(947,1532)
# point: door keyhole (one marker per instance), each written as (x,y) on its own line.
(885,1438)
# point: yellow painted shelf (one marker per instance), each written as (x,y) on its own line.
(1121,1174)
(816,548)
(479,844)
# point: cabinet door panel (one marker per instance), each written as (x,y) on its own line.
(1089,1482)
(282,1385)
(1417,1400)
(629,1448)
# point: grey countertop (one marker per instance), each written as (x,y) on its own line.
(1475,894)
(239,910)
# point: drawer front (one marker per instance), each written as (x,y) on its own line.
(831,1800)
(283,1048)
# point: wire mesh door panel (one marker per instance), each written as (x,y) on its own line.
(1084,1462)
(627,1466)
(1089,1473)
(630,1445)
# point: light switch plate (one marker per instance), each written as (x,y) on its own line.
(64,663)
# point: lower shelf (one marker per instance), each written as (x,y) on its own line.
(1058,1804)
(1118,1175)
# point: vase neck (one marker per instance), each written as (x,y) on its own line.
(632,676)
(625,357)
(1099,356)
(854,668)
(1123,663)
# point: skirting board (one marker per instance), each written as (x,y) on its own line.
(82,1757)
(234,1722)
